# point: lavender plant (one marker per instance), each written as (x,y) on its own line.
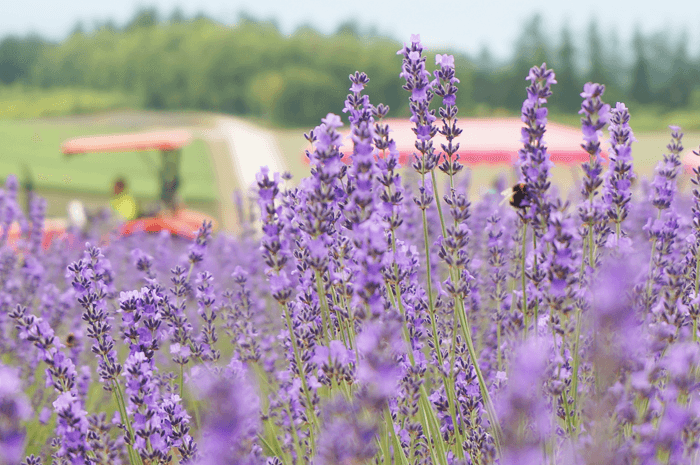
(361,325)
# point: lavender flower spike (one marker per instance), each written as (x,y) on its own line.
(14,409)
(595,117)
(618,181)
(533,157)
(232,421)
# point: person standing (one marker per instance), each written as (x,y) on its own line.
(123,203)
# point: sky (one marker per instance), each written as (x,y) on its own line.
(463,25)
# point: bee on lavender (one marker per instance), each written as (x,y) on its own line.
(515,195)
(71,340)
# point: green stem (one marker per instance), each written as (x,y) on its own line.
(297,443)
(437,202)
(302,376)
(537,302)
(398,450)
(575,366)
(651,267)
(182,369)
(325,311)
(431,306)
(697,288)
(384,443)
(590,245)
(431,429)
(134,457)
(697,271)
(488,404)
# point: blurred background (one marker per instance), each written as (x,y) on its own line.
(100,68)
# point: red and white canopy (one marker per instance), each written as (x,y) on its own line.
(156,140)
(486,140)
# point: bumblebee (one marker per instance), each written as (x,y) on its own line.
(71,340)
(515,195)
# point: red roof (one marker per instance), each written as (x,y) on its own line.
(487,140)
(157,140)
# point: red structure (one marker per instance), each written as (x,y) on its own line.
(486,140)
(158,140)
(174,218)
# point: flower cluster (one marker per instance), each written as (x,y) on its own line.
(595,117)
(360,324)
(617,191)
(14,409)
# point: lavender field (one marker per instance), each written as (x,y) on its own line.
(378,315)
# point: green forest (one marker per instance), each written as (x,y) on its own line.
(253,70)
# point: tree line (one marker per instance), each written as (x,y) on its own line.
(253,69)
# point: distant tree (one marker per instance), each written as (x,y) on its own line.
(641,88)
(108,25)
(177,16)
(617,67)
(18,56)
(10,60)
(483,87)
(246,18)
(79,28)
(202,16)
(531,49)
(680,85)
(349,27)
(372,31)
(597,59)
(568,87)
(144,17)
(306,30)
(307,96)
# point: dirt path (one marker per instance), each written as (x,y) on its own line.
(238,150)
(250,148)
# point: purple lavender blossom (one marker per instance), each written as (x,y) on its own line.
(524,416)
(664,183)
(195,252)
(663,230)
(618,181)
(379,344)
(533,157)
(11,210)
(346,438)
(90,276)
(205,306)
(595,116)
(14,409)
(150,440)
(445,87)
(231,422)
(71,426)
(418,83)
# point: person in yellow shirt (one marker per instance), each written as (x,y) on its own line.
(123,203)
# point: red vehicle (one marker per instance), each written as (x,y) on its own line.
(170,216)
